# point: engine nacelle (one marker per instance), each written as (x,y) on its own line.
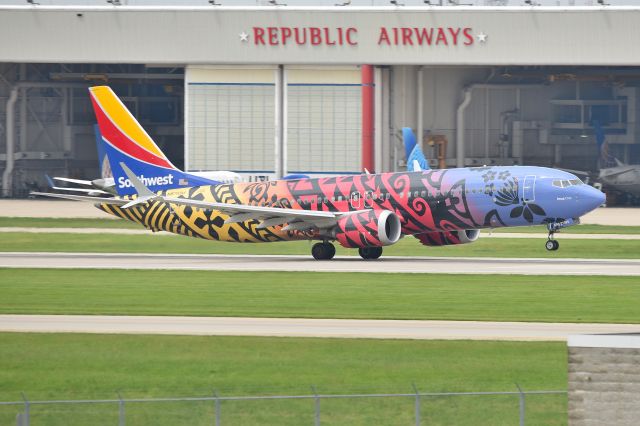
(446,238)
(373,228)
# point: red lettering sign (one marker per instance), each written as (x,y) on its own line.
(339,36)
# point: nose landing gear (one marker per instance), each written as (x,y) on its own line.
(551,244)
(553,227)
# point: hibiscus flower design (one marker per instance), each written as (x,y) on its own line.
(527,210)
(480,169)
(489,176)
(508,194)
(504,175)
(490,189)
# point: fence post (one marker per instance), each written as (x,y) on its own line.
(26,420)
(217,402)
(522,405)
(415,389)
(121,412)
(317,403)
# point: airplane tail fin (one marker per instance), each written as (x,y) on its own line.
(125,141)
(416,160)
(103,159)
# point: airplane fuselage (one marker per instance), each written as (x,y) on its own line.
(426,202)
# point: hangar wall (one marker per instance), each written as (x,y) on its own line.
(523,115)
(462,48)
(231,121)
(325,35)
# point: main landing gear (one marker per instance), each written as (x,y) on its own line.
(370,252)
(323,251)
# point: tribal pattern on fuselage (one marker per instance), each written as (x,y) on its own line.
(428,201)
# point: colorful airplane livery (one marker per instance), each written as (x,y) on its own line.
(367,212)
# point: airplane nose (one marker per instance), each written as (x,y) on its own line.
(591,198)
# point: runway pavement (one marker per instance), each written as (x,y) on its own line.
(217,262)
(293,327)
(484,233)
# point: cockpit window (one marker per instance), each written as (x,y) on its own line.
(566,183)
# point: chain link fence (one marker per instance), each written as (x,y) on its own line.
(419,408)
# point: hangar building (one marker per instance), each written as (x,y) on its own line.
(279,89)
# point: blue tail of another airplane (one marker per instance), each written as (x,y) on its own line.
(412,151)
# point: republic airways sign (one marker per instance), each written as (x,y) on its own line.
(349,36)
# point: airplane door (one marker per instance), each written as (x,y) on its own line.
(529,189)
(368,199)
(356,200)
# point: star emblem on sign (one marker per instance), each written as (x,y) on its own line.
(482,37)
(244,37)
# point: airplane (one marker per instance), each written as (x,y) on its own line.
(612,173)
(367,212)
(416,161)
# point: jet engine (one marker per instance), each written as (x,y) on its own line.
(373,228)
(446,238)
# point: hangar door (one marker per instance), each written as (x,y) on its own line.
(230,119)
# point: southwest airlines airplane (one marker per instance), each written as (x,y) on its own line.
(367,212)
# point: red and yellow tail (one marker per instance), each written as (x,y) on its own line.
(121,130)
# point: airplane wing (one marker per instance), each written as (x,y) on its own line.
(270,216)
(95,200)
(613,171)
(78,181)
(83,190)
(296,220)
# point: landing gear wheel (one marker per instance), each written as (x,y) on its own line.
(552,245)
(323,251)
(370,252)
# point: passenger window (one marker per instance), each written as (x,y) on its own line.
(416,194)
(339,197)
(424,194)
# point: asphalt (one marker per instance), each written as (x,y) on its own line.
(484,233)
(293,327)
(219,262)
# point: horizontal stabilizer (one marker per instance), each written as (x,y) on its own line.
(76,181)
(96,200)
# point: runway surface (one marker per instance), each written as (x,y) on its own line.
(484,233)
(218,262)
(285,327)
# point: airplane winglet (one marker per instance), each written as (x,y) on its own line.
(144,194)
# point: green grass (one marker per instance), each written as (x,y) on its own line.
(37,222)
(321,295)
(72,366)
(409,246)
